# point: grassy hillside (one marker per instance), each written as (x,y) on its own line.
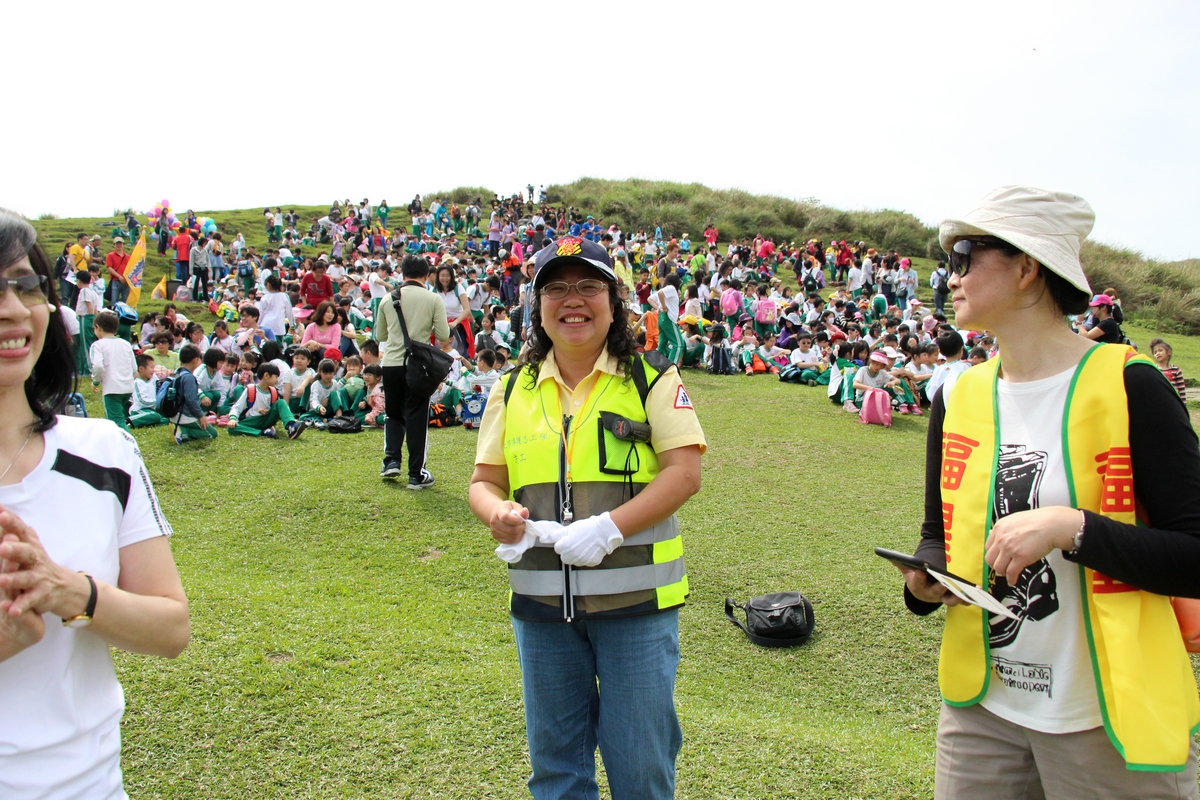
(680,208)
(1164,296)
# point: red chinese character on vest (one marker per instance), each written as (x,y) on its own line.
(956,449)
(1117,468)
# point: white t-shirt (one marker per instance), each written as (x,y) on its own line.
(274,309)
(379,286)
(945,373)
(671,295)
(813,356)
(1042,676)
(89,496)
(452,303)
(293,380)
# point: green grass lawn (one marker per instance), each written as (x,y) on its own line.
(351,639)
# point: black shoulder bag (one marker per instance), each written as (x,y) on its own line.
(783,619)
(426,365)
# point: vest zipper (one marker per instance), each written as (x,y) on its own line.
(566,514)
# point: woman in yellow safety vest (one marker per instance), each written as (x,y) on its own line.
(586,451)
(1064,477)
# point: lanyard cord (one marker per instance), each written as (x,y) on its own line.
(569,436)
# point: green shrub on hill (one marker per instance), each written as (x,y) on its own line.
(687,208)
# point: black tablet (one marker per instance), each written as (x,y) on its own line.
(912,562)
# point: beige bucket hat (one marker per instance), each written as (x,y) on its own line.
(1050,226)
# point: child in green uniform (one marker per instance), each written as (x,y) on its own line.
(113,366)
(324,400)
(354,388)
(141,409)
(260,407)
(298,380)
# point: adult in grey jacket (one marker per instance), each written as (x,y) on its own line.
(198,261)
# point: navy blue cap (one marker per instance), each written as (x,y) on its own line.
(571,250)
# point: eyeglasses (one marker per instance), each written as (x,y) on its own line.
(960,254)
(588,287)
(30,289)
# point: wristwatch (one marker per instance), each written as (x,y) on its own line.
(84,619)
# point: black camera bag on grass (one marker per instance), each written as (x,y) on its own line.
(782,619)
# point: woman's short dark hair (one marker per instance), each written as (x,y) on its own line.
(52,380)
(1069,299)
(620,341)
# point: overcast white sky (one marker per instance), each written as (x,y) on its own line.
(922,107)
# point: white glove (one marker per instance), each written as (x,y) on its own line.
(544,530)
(588,541)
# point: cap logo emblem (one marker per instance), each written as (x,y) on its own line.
(570,246)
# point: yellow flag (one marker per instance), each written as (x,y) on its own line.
(160,291)
(134,269)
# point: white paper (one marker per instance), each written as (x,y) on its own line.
(970,593)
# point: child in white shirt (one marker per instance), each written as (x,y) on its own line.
(145,389)
(295,381)
(113,366)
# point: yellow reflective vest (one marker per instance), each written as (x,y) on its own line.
(1147,690)
(646,573)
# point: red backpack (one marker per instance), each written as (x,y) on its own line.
(252,392)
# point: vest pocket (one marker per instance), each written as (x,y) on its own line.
(617,457)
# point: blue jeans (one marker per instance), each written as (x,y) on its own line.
(181,271)
(564,666)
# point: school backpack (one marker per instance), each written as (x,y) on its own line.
(791,373)
(126,314)
(766,311)
(943,282)
(442,417)
(473,406)
(252,392)
(876,408)
(168,397)
(810,283)
(720,362)
(74,406)
(245,269)
(344,425)
(731,302)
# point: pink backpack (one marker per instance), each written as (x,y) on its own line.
(765,312)
(731,302)
(876,408)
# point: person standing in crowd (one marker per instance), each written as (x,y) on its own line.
(116,263)
(424,316)
(79,576)
(316,287)
(183,250)
(607,503)
(1162,352)
(1106,329)
(1088,690)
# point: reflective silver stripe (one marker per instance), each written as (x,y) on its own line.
(536,582)
(628,579)
(549,583)
(664,531)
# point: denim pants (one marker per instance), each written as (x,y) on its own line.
(608,682)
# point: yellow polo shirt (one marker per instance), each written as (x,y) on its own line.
(669,411)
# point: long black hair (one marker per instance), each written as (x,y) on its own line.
(52,381)
(620,341)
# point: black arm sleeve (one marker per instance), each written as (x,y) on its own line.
(932,548)
(1163,559)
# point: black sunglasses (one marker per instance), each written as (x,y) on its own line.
(960,253)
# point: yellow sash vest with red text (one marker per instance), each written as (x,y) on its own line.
(1146,687)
